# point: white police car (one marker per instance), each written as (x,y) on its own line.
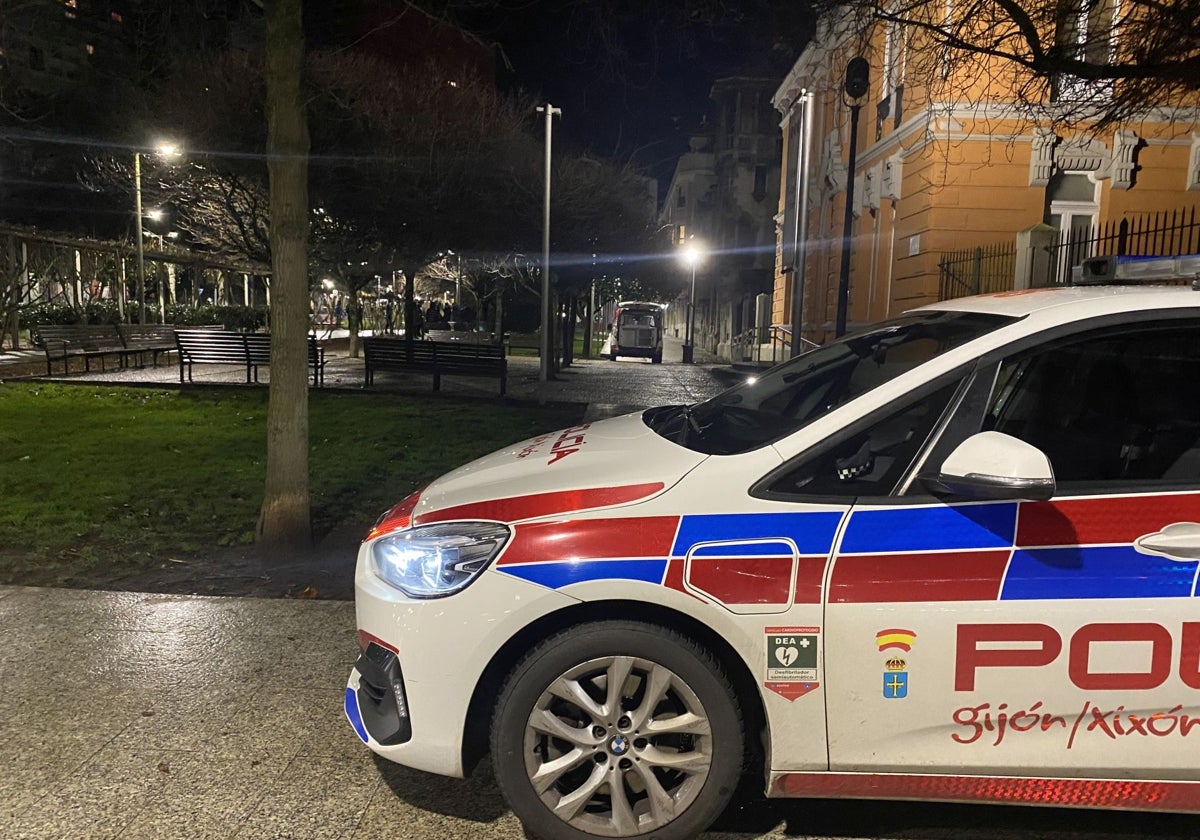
(952,557)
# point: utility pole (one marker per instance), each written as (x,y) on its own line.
(141,263)
(544,368)
(800,227)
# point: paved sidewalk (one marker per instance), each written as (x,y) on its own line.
(151,717)
(608,387)
(161,716)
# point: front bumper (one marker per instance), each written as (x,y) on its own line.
(410,692)
(378,707)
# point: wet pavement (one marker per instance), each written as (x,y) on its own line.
(607,387)
(137,716)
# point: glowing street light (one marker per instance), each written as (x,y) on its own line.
(692,255)
(167,151)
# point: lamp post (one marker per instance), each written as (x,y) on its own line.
(692,254)
(856,86)
(166,151)
(544,368)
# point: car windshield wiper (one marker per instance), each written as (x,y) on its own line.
(690,429)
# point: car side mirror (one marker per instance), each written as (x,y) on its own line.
(993,465)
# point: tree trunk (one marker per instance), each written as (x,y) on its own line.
(555,331)
(568,337)
(410,307)
(284,521)
(498,313)
(354,321)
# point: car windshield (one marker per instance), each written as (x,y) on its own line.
(790,396)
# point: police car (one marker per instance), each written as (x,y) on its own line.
(951,557)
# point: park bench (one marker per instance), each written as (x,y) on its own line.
(250,350)
(461,336)
(528,341)
(85,341)
(140,339)
(436,357)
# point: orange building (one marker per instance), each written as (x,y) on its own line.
(948,168)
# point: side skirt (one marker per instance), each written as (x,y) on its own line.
(1122,794)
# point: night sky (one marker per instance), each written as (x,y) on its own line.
(631,76)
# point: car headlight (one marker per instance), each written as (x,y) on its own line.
(432,561)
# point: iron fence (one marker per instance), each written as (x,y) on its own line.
(991,268)
(975,271)
(1163,234)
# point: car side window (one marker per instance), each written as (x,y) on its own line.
(869,462)
(1119,406)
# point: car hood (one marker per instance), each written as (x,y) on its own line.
(610,462)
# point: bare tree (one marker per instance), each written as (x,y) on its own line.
(24,267)
(418,160)
(1096,61)
(285,520)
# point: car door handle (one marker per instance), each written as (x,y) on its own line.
(1179,540)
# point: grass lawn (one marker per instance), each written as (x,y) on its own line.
(101,475)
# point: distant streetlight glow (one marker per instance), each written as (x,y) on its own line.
(155,215)
(692,255)
(167,151)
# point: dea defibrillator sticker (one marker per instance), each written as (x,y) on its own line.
(792,656)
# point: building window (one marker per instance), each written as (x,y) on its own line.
(116,17)
(1074,211)
(760,182)
(891,79)
(1085,32)
(90,48)
(681,200)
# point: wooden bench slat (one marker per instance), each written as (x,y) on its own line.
(87,341)
(436,357)
(253,350)
(140,339)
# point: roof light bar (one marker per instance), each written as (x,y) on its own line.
(1127,270)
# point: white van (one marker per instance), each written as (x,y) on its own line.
(636,330)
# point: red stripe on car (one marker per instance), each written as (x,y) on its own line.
(1112,519)
(516,508)
(591,539)
(903,578)
(398,518)
(810,577)
(1091,793)
(742,580)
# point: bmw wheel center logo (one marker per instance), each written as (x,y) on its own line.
(618,745)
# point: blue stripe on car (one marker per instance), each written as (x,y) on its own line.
(931,529)
(354,715)
(772,548)
(1077,572)
(812,532)
(558,574)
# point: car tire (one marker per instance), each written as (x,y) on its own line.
(560,785)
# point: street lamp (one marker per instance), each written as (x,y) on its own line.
(544,368)
(165,151)
(691,256)
(858,82)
